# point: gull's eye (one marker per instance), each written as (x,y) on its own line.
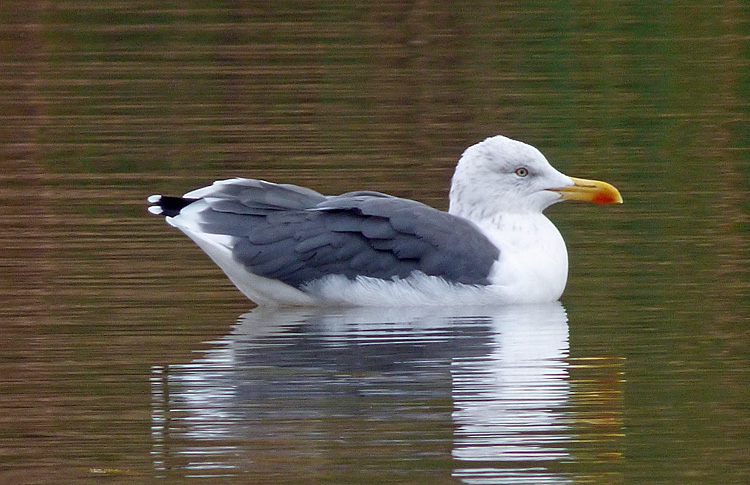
(522,172)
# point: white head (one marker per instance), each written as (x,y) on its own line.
(501,175)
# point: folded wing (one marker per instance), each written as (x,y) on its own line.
(297,235)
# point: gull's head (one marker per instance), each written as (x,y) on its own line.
(501,175)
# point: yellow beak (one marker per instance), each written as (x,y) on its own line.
(590,191)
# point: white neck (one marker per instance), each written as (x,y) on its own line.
(533,263)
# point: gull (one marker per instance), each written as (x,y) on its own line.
(283,245)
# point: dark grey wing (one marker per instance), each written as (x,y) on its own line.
(418,236)
(251,196)
(359,233)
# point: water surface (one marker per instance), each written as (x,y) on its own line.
(127,356)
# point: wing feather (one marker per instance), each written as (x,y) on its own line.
(298,236)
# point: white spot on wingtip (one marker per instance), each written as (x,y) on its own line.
(155,209)
(154,199)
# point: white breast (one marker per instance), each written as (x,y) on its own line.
(533,263)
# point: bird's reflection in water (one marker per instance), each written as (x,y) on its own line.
(508,402)
(475,392)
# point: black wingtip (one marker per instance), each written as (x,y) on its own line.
(164,205)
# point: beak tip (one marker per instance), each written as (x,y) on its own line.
(607,198)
